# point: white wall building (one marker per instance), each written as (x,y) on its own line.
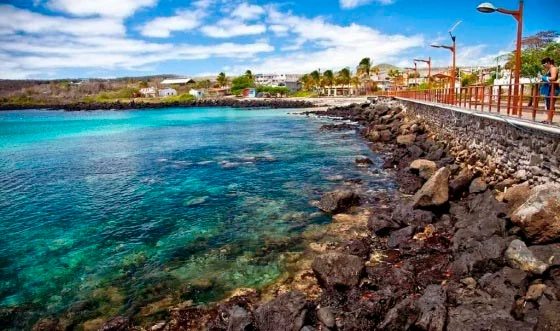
(149,92)
(290,81)
(196,93)
(168,92)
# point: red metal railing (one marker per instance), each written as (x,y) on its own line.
(495,98)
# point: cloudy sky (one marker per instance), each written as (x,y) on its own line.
(110,38)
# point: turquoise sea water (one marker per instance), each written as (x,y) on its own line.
(116,210)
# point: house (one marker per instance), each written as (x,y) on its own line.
(290,81)
(167,92)
(196,93)
(178,81)
(219,92)
(149,92)
(250,93)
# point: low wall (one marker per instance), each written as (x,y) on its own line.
(498,146)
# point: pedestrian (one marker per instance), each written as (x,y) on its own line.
(550,80)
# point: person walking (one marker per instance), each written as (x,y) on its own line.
(551,81)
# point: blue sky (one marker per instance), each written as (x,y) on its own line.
(111,38)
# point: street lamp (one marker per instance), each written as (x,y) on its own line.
(453,49)
(486,8)
(429,62)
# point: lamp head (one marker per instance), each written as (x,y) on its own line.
(486,7)
(436,45)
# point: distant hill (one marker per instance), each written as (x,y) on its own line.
(386,66)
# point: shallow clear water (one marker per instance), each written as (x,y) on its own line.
(132,207)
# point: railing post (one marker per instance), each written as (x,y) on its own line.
(520,109)
(535,101)
(490,97)
(552,102)
(499,98)
(509,100)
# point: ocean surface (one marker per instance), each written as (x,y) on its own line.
(118,212)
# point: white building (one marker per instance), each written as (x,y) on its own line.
(168,92)
(290,81)
(149,92)
(196,93)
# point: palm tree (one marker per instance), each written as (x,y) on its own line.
(363,70)
(249,74)
(355,80)
(316,78)
(345,76)
(328,78)
(222,79)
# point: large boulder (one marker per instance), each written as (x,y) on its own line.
(549,254)
(407,139)
(516,195)
(337,269)
(539,215)
(425,168)
(433,311)
(435,191)
(285,313)
(520,257)
(461,182)
(549,318)
(478,185)
(338,201)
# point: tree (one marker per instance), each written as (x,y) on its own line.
(306,81)
(328,78)
(316,78)
(344,76)
(364,69)
(540,39)
(143,84)
(240,83)
(222,79)
(249,74)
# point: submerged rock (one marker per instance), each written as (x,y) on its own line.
(337,269)
(338,201)
(363,161)
(539,215)
(435,192)
(520,257)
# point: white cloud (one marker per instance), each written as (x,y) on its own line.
(227,28)
(162,27)
(248,12)
(332,46)
(350,4)
(279,30)
(107,8)
(14,20)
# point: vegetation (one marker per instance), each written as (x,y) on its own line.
(222,80)
(535,48)
(240,83)
(273,91)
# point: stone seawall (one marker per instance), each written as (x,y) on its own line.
(498,147)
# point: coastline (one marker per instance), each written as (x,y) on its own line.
(402,259)
(219,102)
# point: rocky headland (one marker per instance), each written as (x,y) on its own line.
(453,249)
(220,102)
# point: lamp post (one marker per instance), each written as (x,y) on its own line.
(487,7)
(453,49)
(429,62)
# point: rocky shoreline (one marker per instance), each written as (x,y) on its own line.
(447,252)
(223,102)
